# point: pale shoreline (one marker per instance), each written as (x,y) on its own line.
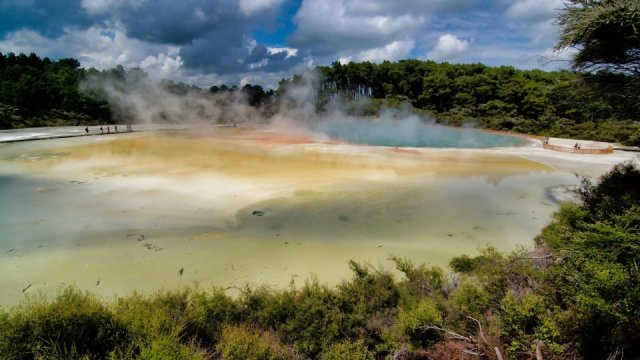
(203,222)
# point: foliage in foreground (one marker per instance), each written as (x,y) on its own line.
(577,295)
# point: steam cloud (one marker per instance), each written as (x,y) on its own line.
(143,100)
(139,99)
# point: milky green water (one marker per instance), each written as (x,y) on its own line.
(120,213)
(412,132)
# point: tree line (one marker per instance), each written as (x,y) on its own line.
(556,103)
(41,92)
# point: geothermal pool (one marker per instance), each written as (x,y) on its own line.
(231,206)
(410,132)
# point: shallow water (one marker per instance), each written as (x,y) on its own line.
(120,213)
(411,132)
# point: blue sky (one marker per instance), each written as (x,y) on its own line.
(211,42)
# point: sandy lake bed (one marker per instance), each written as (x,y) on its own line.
(230,206)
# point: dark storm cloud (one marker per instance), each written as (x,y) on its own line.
(229,52)
(213,35)
(180,22)
(47,17)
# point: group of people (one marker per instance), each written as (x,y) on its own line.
(115,129)
(577,146)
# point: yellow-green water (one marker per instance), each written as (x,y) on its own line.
(114,214)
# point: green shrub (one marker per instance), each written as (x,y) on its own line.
(617,192)
(206,314)
(347,350)
(368,292)
(317,320)
(74,325)
(421,280)
(463,264)
(156,315)
(414,323)
(170,349)
(594,279)
(526,319)
(239,343)
(470,300)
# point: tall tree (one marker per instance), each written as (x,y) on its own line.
(605,32)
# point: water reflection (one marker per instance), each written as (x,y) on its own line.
(132,210)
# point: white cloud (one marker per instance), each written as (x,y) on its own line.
(27,41)
(330,27)
(95,7)
(521,56)
(534,21)
(163,65)
(395,50)
(99,47)
(448,48)
(552,59)
(533,11)
(422,7)
(544,31)
(276,50)
(250,7)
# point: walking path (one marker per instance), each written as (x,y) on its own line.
(30,134)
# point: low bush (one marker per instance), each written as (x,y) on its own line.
(417,323)
(74,325)
(240,343)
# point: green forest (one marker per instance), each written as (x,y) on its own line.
(575,295)
(559,103)
(40,92)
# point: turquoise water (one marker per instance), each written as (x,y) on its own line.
(411,132)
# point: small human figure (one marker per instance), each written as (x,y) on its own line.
(86,130)
(101,130)
(108,130)
(116,126)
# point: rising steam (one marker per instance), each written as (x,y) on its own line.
(135,97)
(138,99)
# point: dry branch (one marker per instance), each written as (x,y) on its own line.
(484,339)
(539,350)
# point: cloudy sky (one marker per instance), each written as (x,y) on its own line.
(211,42)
